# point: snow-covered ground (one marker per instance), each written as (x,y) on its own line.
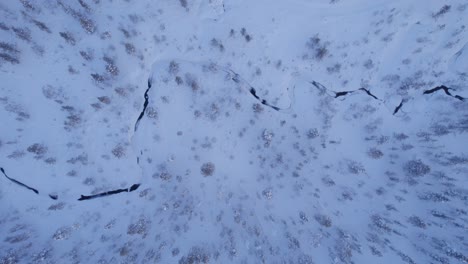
(258,131)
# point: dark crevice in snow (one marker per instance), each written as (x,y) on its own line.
(254,93)
(51,196)
(237,79)
(339,94)
(83,197)
(446,90)
(398,107)
(145,104)
(18,182)
(263,101)
(369,93)
(99,195)
(342,93)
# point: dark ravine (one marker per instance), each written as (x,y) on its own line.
(103,194)
(83,197)
(446,90)
(339,94)
(253,92)
(398,107)
(442,87)
(18,182)
(145,104)
(342,93)
(369,93)
(236,78)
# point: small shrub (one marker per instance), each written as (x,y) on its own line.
(179,80)
(9,58)
(98,78)
(416,168)
(4,27)
(42,26)
(374,153)
(62,233)
(244,33)
(16,154)
(84,5)
(267,137)
(318,48)
(217,44)
(327,181)
(130,48)
(334,69)
(87,55)
(55,207)
(416,221)
(165,176)
(443,10)
(369,64)
(320,53)
(312,133)
(258,108)
(141,227)
(104,99)
(207,169)
(27,5)
(174,67)
(23,33)
(68,38)
(50,161)
(38,149)
(267,193)
(151,112)
(183,3)
(110,66)
(7,47)
(118,151)
(72,121)
(196,255)
(87,24)
(355,167)
(191,81)
(323,220)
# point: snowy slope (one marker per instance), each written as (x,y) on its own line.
(259,131)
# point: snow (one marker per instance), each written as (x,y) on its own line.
(255,143)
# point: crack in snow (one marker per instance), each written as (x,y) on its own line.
(398,107)
(446,90)
(83,197)
(18,182)
(51,196)
(237,79)
(103,194)
(145,104)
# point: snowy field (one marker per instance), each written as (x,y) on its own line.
(223,131)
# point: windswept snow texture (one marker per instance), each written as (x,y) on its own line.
(224,131)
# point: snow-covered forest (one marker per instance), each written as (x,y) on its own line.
(222,131)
